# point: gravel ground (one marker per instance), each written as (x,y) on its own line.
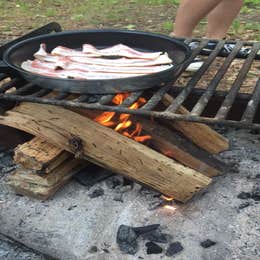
(10,250)
(220,223)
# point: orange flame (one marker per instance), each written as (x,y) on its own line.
(105,118)
(123,122)
(166,198)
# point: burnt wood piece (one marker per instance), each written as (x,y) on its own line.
(174,146)
(40,156)
(107,148)
(200,134)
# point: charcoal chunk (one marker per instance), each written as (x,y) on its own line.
(127,240)
(244,205)
(145,229)
(96,193)
(174,248)
(207,243)
(91,175)
(153,248)
(256,194)
(93,249)
(156,236)
(244,195)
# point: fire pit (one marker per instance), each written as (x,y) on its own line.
(159,135)
(146,136)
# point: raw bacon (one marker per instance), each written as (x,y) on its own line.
(50,71)
(78,56)
(64,51)
(121,62)
(64,62)
(120,50)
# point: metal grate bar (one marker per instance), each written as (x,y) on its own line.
(131,99)
(192,83)
(23,89)
(62,95)
(2,76)
(106,99)
(81,98)
(156,98)
(41,93)
(232,94)
(9,84)
(252,105)
(162,115)
(204,99)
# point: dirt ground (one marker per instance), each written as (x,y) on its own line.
(18,17)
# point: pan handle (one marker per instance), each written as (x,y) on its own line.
(48,28)
(4,67)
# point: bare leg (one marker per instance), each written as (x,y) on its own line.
(221,17)
(189,14)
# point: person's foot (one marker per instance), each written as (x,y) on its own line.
(228,47)
(226,50)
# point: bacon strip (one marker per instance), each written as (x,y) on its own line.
(120,50)
(46,69)
(64,51)
(65,64)
(41,54)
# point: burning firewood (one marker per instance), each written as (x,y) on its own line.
(107,148)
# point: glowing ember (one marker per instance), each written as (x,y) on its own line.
(122,123)
(166,198)
(169,207)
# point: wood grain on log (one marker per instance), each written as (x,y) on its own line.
(103,146)
(40,155)
(200,134)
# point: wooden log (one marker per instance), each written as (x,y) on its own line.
(200,134)
(66,169)
(105,147)
(39,155)
(175,146)
(26,182)
(169,143)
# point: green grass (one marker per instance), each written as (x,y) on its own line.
(150,15)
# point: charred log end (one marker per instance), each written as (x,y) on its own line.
(76,146)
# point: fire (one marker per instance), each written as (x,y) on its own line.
(123,123)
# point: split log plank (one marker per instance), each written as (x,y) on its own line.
(64,170)
(26,182)
(39,155)
(178,148)
(200,134)
(107,148)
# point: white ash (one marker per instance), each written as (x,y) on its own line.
(71,224)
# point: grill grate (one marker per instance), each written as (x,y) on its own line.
(16,89)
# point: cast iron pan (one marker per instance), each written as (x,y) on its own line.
(143,41)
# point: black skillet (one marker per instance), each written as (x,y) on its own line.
(142,41)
